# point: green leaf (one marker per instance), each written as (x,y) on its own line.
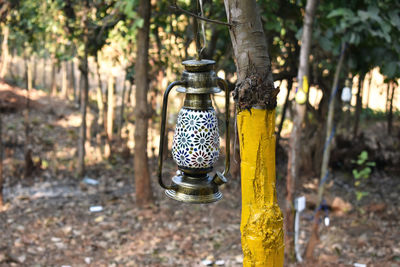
(389,69)
(340,12)
(394,18)
(360,195)
(356,174)
(139,22)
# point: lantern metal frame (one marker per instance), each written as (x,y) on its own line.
(191,185)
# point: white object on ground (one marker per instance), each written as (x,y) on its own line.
(90,181)
(96,208)
(299,205)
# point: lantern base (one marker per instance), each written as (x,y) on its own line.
(195,190)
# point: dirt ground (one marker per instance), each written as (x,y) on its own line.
(47,219)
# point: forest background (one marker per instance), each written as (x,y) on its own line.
(80,100)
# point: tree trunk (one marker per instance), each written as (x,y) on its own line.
(99,94)
(298,118)
(326,154)
(110,114)
(44,73)
(369,87)
(255,95)
(387,97)
(1,161)
(73,79)
(53,76)
(358,105)
(64,82)
(84,91)
(141,166)
(121,112)
(27,149)
(34,73)
(5,55)
(390,113)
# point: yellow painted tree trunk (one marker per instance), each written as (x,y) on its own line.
(255,97)
(262,221)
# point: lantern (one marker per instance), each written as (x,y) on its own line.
(195,146)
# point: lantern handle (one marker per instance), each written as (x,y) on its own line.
(162,132)
(220,178)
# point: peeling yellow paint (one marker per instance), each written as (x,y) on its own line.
(262,221)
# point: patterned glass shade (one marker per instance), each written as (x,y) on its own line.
(196,139)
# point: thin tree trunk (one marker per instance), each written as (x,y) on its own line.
(27,149)
(34,73)
(390,114)
(358,105)
(73,79)
(387,97)
(99,93)
(121,112)
(326,154)
(369,87)
(44,73)
(64,82)
(295,137)
(53,76)
(84,67)
(110,114)
(5,55)
(141,165)
(100,118)
(1,161)
(255,95)
(81,87)
(289,88)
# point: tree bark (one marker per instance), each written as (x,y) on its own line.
(99,93)
(53,76)
(295,137)
(73,79)
(369,87)
(34,73)
(255,96)
(390,113)
(1,161)
(28,152)
(44,72)
(110,114)
(64,83)
(121,112)
(141,167)
(358,105)
(84,91)
(5,55)
(326,155)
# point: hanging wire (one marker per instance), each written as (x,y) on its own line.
(203,32)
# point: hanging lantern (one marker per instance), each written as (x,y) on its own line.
(195,147)
(346,93)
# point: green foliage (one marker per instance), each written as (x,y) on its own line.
(362,172)
(56,28)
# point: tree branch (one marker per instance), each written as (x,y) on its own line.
(177,8)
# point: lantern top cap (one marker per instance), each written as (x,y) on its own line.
(198,65)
